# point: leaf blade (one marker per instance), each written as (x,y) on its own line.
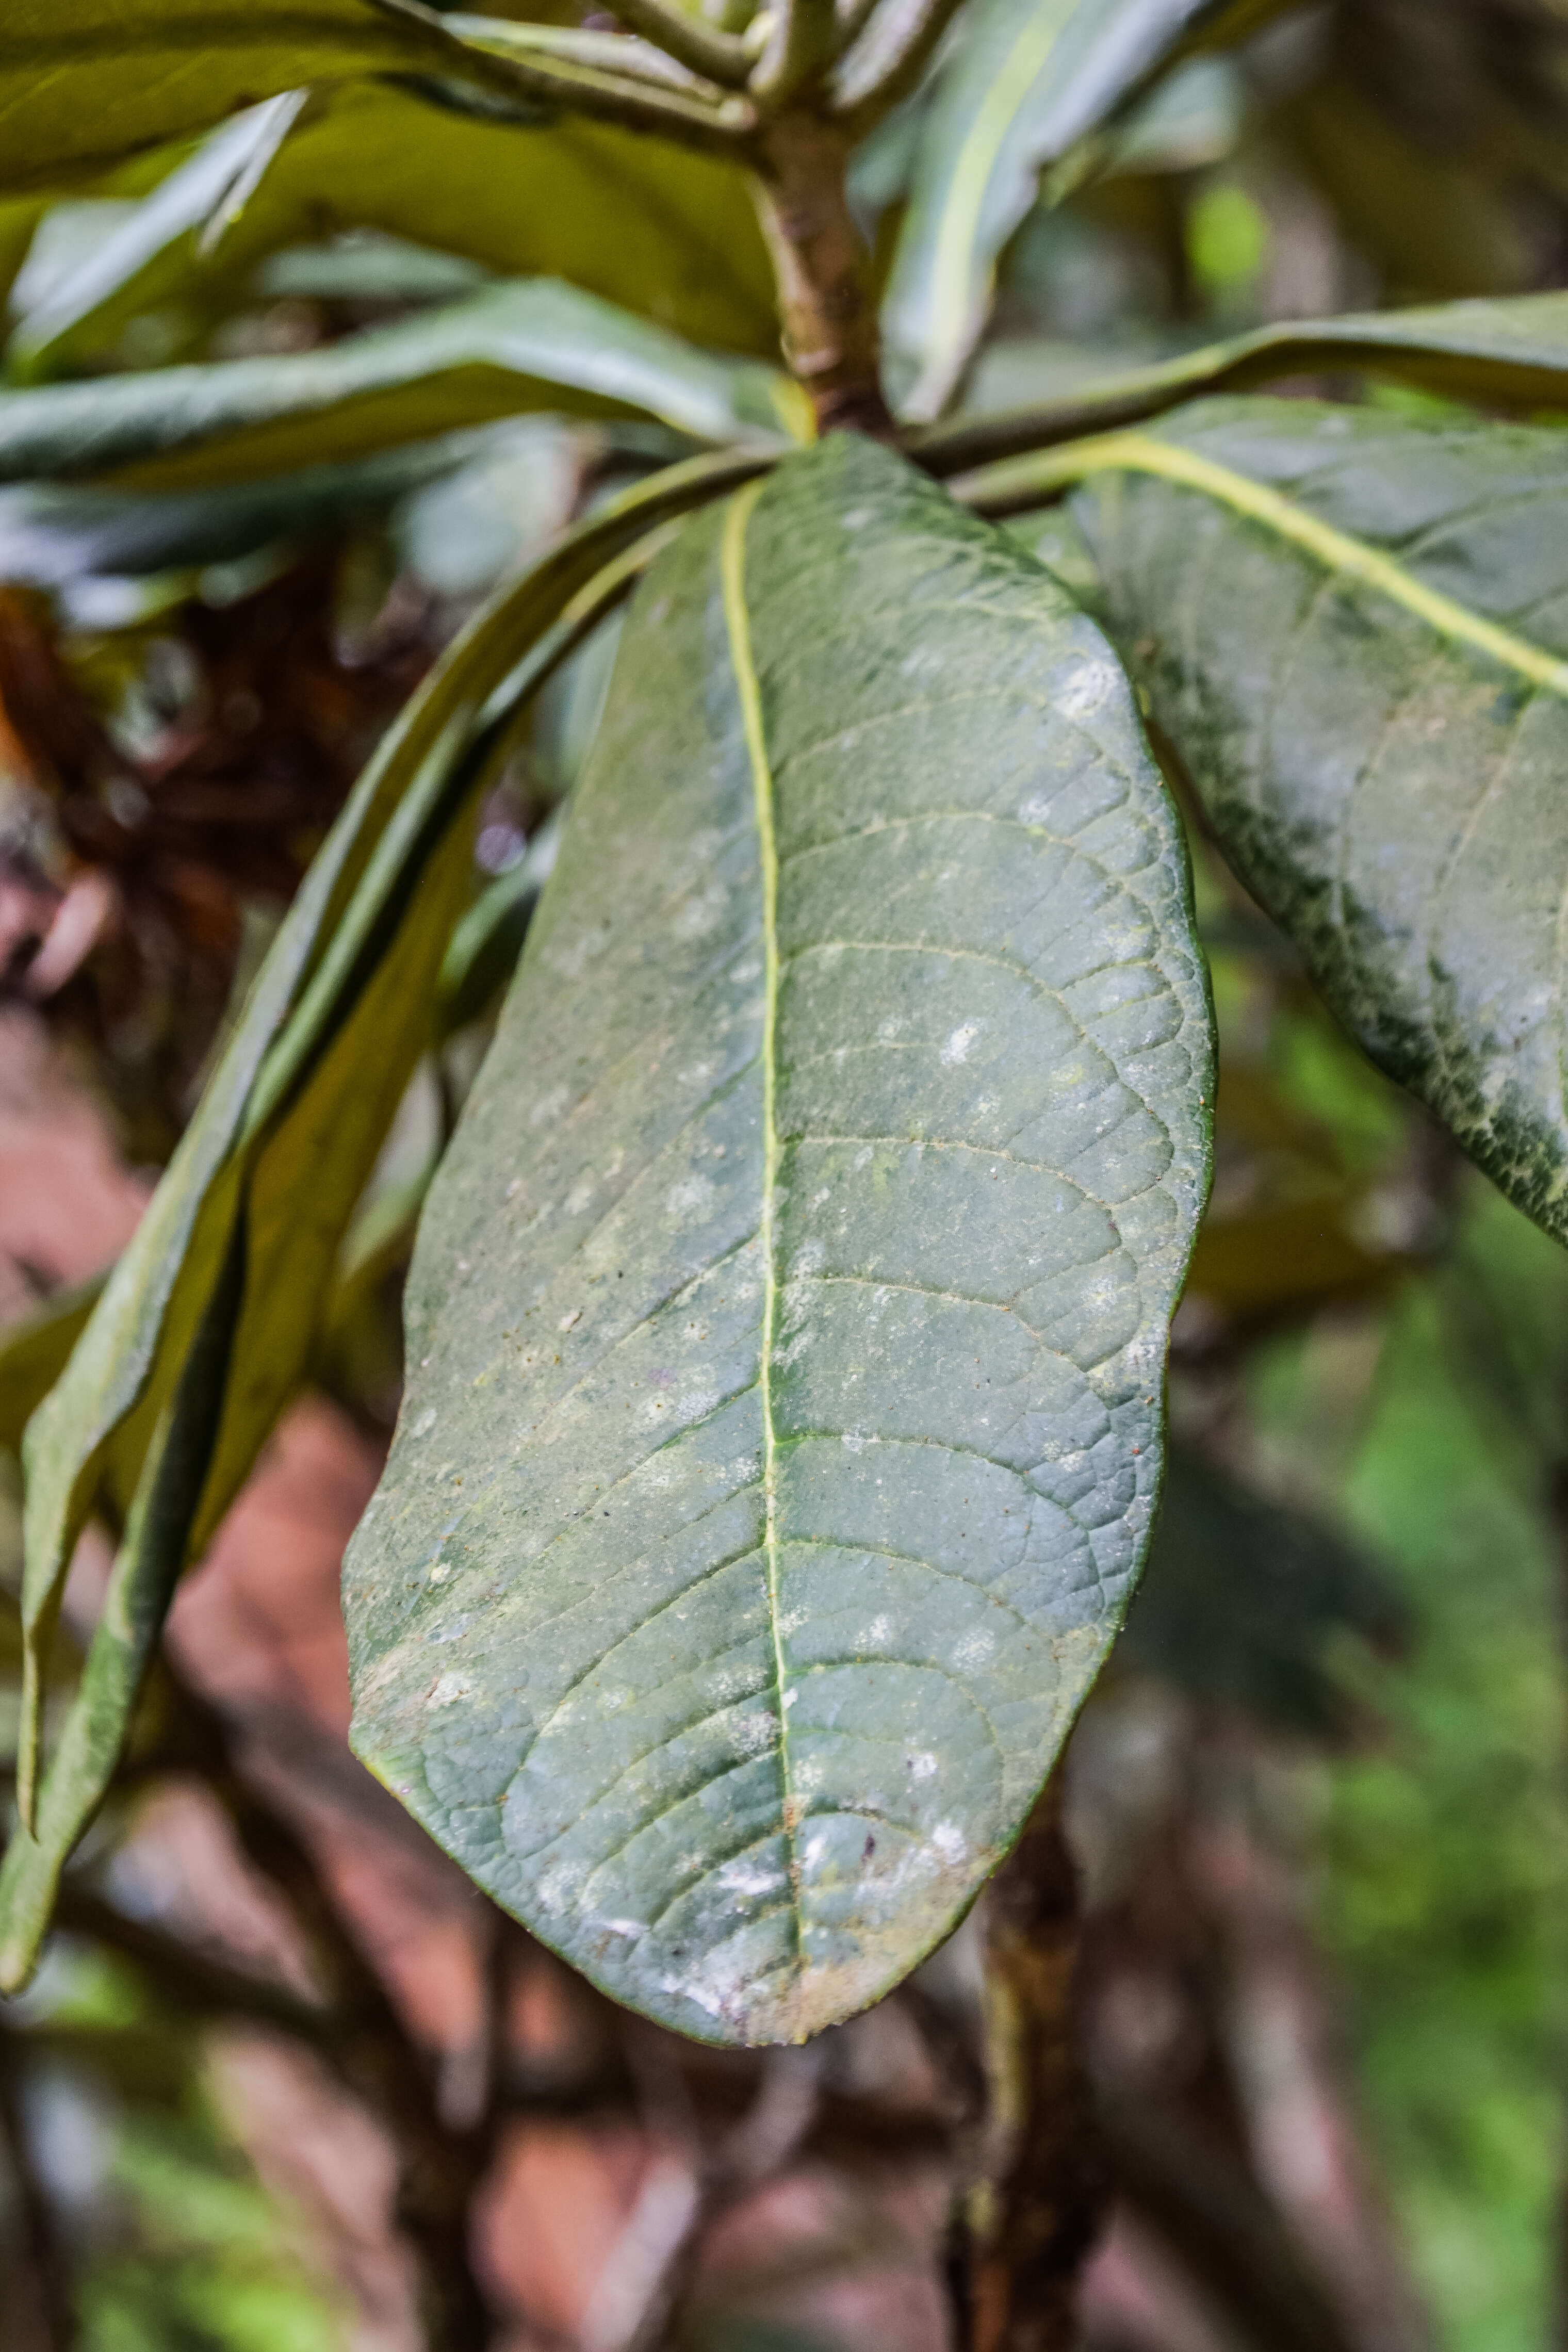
(126,1365)
(536,345)
(1032,79)
(85,83)
(570,1653)
(1510,353)
(1391,789)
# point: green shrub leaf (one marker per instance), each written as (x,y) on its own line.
(1354,629)
(267,1174)
(1031,80)
(1503,354)
(86,82)
(787,1320)
(534,346)
(668,233)
(149,253)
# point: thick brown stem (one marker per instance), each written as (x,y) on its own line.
(825,306)
(1046,2189)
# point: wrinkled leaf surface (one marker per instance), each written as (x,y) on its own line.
(787,1323)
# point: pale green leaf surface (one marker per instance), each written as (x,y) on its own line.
(537,345)
(267,1118)
(1510,353)
(86,82)
(1030,79)
(1354,629)
(787,1323)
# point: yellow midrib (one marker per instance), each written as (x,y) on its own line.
(1337,550)
(965,190)
(733,563)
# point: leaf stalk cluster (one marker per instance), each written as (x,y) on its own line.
(846,65)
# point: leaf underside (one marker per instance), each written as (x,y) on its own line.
(787,1323)
(1382,749)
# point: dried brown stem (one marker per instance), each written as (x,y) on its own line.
(39,2300)
(1047,2189)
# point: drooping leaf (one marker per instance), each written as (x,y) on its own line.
(536,345)
(339,1011)
(1030,79)
(136,1600)
(155,246)
(1354,629)
(1502,355)
(86,82)
(786,1325)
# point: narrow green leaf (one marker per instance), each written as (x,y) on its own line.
(1030,79)
(147,257)
(787,1319)
(1503,354)
(534,346)
(1354,629)
(135,1602)
(52,533)
(287,1081)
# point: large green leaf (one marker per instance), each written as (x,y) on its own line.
(786,1325)
(670,235)
(1354,629)
(536,345)
(341,1008)
(85,82)
(1029,80)
(1512,353)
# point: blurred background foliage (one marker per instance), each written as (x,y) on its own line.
(1319,1799)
